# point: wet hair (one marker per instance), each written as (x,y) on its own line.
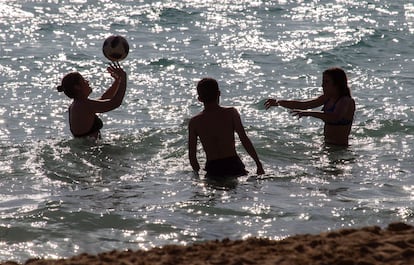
(207,89)
(69,81)
(340,80)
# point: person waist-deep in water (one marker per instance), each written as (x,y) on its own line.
(215,126)
(337,111)
(83,120)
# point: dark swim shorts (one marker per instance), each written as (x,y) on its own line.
(225,167)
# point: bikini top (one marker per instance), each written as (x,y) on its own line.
(342,121)
(96,126)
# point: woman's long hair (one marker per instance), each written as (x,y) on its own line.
(340,80)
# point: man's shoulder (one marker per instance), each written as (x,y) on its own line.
(229,109)
(196,118)
(222,111)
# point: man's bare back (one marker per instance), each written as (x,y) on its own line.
(216,126)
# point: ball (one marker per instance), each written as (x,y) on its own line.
(115,48)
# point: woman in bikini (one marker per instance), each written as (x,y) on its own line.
(337,111)
(83,120)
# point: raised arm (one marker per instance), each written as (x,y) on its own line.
(111,91)
(247,144)
(118,88)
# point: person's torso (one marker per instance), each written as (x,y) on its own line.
(337,132)
(216,132)
(82,121)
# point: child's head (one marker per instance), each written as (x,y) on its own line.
(208,90)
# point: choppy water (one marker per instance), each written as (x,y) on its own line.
(135,189)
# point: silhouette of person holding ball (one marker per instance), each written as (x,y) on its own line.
(83,120)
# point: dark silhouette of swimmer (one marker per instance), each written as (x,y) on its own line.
(215,127)
(83,120)
(338,107)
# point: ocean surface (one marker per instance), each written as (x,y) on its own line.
(135,189)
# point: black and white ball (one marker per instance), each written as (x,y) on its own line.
(115,48)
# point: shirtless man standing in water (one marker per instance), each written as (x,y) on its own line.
(215,126)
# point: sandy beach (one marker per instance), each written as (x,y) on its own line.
(363,246)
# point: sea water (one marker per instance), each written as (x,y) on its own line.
(135,189)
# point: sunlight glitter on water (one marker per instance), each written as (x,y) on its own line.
(135,188)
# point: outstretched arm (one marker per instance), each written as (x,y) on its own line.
(342,107)
(247,144)
(296,104)
(316,114)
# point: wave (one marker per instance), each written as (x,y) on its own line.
(11,12)
(377,129)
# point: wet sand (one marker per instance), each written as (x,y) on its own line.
(364,246)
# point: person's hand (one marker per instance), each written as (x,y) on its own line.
(196,173)
(116,71)
(299,113)
(271,102)
(260,170)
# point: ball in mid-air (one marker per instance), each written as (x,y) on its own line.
(115,48)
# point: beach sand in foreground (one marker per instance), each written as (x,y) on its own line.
(364,246)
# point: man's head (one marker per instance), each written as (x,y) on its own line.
(208,90)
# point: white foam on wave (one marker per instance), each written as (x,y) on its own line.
(7,11)
(409,16)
